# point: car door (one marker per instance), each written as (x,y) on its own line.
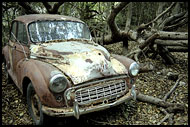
(11,44)
(20,50)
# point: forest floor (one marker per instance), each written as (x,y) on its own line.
(154,83)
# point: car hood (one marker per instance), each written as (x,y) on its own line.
(78,60)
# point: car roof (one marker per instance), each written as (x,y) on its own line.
(39,17)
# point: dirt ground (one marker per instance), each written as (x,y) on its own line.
(154,83)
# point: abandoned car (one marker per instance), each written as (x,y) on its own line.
(54,62)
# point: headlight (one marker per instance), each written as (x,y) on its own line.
(134,69)
(58,83)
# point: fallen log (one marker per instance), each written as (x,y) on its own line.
(177,49)
(173,35)
(172,42)
(167,35)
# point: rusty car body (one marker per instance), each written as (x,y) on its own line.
(53,60)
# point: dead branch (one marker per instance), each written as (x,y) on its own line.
(171,107)
(100,122)
(172,90)
(144,26)
(168,116)
(146,67)
(133,52)
(171,18)
(149,40)
(175,26)
(164,12)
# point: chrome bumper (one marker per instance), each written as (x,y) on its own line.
(77,111)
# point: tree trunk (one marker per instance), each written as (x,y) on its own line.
(127,28)
(129,16)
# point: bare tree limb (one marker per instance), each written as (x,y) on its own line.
(172,90)
(164,12)
(159,102)
(144,26)
(175,26)
(171,18)
(168,116)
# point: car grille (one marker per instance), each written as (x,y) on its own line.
(110,89)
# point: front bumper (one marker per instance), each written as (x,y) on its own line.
(77,111)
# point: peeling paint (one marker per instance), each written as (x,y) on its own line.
(80,61)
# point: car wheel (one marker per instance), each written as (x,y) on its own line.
(7,76)
(34,105)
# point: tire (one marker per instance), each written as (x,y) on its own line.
(7,76)
(34,106)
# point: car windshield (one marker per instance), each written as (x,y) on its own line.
(43,31)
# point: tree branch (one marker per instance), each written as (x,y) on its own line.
(54,9)
(171,90)
(111,19)
(153,100)
(27,8)
(144,26)
(171,18)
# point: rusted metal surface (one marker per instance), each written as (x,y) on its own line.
(69,111)
(87,66)
(68,94)
(80,61)
(37,17)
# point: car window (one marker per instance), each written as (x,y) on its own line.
(22,35)
(43,31)
(13,30)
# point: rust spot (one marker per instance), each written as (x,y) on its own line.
(55,53)
(45,98)
(66,53)
(89,60)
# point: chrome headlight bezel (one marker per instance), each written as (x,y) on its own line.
(62,85)
(134,69)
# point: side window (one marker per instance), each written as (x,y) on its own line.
(22,36)
(13,30)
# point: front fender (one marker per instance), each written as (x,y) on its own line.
(124,60)
(5,53)
(39,74)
